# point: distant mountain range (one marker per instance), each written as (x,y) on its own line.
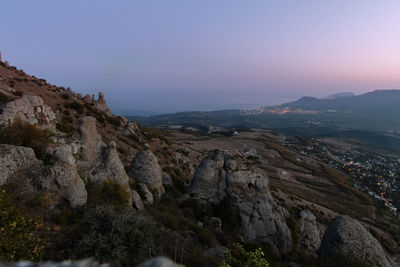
(376,111)
(373,117)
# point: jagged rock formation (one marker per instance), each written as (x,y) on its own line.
(61,180)
(30,109)
(166,179)
(145,194)
(145,169)
(219,176)
(15,159)
(137,202)
(91,141)
(347,240)
(101,162)
(308,231)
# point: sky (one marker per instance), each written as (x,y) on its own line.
(159,56)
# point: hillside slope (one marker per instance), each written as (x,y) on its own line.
(77,182)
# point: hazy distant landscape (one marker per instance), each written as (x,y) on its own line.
(227,133)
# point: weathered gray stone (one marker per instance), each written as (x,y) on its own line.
(308,231)
(101,105)
(166,179)
(216,224)
(137,202)
(109,166)
(145,194)
(92,144)
(61,180)
(15,158)
(347,240)
(30,109)
(260,218)
(145,169)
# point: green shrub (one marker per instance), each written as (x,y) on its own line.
(122,239)
(4,99)
(114,121)
(18,93)
(65,96)
(21,237)
(76,106)
(28,135)
(65,125)
(243,258)
(107,193)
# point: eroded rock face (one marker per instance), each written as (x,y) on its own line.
(14,159)
(102,105)
(110,167)
(30,109)
(347,239)
(308,231)
(91,141)
(145,169)
(219,176)
(145,194)
(61,180)
(137,202)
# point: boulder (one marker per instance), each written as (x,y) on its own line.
(216,224)
(130,128)
(30,109)
(308,231)
(14,159)
(137,202)
(145,194)
(347,241)
(61,180)
(220,176)
(145,169)
(101,105)
(166,179)
(92,144)
(109,166)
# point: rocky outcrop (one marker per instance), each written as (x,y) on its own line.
(130,128)
(109,166)
(101,105)
(145,194)
(100,162)
(145,169)
(346,240)
(137,202)
(260,218)
(61,180)
(308,231)
(166,179)
(92,144)
(15,159)
(30,109)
